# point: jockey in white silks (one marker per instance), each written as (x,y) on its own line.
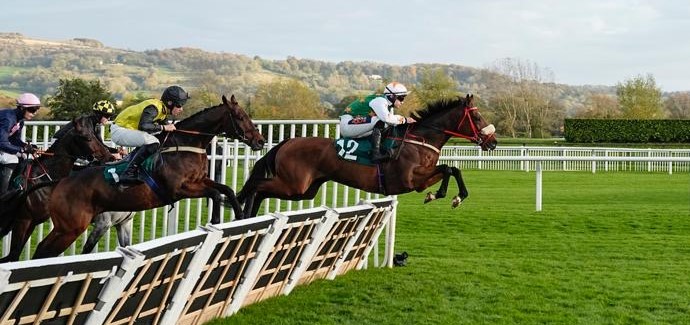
(372,114)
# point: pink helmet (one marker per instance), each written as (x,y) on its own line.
(28,100)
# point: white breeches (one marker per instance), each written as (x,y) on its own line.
(130,138)
(8,158)
(356,130)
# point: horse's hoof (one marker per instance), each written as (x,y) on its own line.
(429,197)
(456,202)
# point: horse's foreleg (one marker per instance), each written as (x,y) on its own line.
(443,190)
(229,198)
(462,189)
(440,173)
(256,204)
(21,231)
(98,230)
(248,205)
(55,243)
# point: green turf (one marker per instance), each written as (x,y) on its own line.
(608,248)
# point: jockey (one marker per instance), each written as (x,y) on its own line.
(372,114)
(11,145)
(101,113)
(136,124)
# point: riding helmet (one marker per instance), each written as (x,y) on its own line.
(175,95)
(26,100)
(104,107)
(395,90)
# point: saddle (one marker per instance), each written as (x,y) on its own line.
(113,170)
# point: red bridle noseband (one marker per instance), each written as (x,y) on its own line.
(466,116)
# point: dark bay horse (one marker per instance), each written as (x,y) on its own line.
(296,168)
(181,172)
(21,214)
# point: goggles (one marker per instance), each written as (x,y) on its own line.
(32,109)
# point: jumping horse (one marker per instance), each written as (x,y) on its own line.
(21,214)
(180,172)
(296,168)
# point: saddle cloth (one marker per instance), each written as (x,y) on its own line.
(359,149)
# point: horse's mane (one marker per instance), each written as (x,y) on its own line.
(438,106)
(191,119)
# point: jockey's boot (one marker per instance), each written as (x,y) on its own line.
(131,174)
(5,177)
(376,137)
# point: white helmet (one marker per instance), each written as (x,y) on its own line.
(395,91)
(395,88)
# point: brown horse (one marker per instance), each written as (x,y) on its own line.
(181,172)
(296,168)
(21,214)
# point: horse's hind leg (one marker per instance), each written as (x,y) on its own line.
(123,224)
(124,231)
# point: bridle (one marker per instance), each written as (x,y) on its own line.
(476,132)
(476,137)
(239,133)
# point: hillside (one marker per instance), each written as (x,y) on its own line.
(36,65)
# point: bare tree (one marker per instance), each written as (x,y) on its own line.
(600,106)
(677,105)
(526,105)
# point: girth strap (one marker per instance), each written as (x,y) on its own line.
(183,148)
(424,144)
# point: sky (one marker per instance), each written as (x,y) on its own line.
(584,42)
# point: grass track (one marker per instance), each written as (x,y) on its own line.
(608,248)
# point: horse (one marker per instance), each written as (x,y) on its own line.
(21,214)
(180,172)
(121,220)
(296,168)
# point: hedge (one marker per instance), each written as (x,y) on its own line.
(626,131)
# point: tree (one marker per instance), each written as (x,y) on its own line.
(526,105)
(75,97)
(286,99)
(677,105)
(601,106)
(640,98)
(434,85)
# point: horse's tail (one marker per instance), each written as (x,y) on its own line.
(263,168)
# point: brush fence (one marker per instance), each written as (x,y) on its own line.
(192,277)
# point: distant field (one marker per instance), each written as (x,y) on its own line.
(608,248)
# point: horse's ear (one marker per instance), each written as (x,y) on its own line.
(225,100)
(232,99)
(76,122)
(469,99)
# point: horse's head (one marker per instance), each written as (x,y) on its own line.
(240,126)
(459,118)
(474,127)
(81,141)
